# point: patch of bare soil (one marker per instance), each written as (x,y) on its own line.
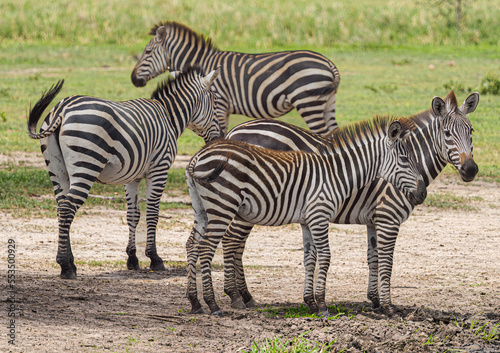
(445,285)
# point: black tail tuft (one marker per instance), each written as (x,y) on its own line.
(37,111)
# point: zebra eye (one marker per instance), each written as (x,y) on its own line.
(403,159)
(447,133)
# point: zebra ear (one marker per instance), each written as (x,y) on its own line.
(161,32)
(438,107)
(210,78)
(394,130)
(470,104)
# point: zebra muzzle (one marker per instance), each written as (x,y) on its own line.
(138,82)
(468,170)
(418,196)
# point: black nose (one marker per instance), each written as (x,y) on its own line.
(138,82)
(469,170)
(418,196)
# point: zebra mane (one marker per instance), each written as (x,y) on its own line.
(353,134)
(199,39)
(170,84)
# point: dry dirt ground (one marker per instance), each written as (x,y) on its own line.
(445,284)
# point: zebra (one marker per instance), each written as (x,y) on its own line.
(264,85)
(85,140)
(233,180)
(443,135)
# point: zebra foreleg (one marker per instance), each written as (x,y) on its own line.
(154,190)
(387,236)
(309,267)
(372,257)
(319,232)
(133,217)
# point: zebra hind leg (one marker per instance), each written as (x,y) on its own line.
(329,112)
(192,244)
(66,211)
(133,217)
(241,283)
(232,243)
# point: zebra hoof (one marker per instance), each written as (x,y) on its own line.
(375,302)
(198,311)
(69,274)
(251,304)
(238,304)
(387,310)
(157,266)
(196,307)
(218,313)
(133,263)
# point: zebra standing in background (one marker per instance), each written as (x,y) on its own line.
(256,85)
(232,180)
(86,140)
(442,136)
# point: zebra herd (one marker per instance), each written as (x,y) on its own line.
(263,172)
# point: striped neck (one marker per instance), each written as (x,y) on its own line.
(426,143)
(186,47)
(175,96)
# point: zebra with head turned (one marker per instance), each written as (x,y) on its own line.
(86,140)
(232,180)
(441,135)
(255,85)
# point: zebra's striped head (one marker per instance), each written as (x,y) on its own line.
(154,61)
(191,93)
(400,168)
(455,131)
(205,122)
(174,46)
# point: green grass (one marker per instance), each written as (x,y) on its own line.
(260,23)
(335,310)
(101,263)
(450,201)
(28,191)
(298,344)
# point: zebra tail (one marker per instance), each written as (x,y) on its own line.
(37,111)
(210,175)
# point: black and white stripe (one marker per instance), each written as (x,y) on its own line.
(441,135)
(86,140)
(255,85)
(232,180)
